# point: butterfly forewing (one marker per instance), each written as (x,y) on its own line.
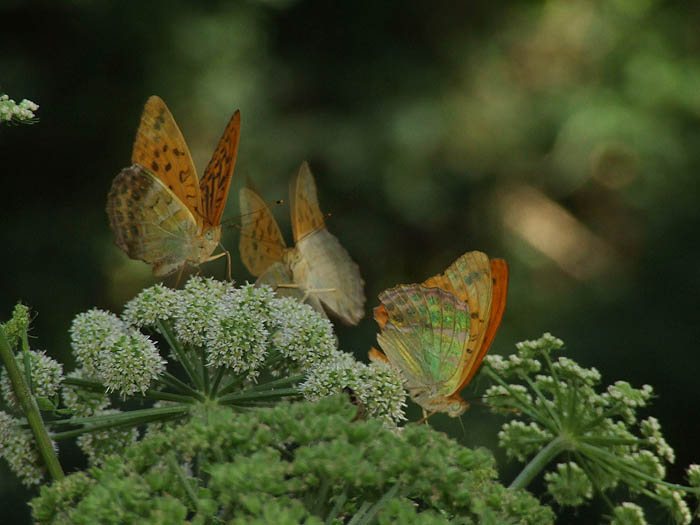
(261,243)
(149,222)
(471,276)
(160,148)
(306,213)
(499,278)
(217,176)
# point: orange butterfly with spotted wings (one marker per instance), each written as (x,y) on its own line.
(317,269)
(438,332)
(159,210)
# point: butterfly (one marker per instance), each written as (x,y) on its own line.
(159,211)
(438,332)
(318,269)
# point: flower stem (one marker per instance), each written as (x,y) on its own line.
(254,396)
(124,419)
(181,354)
(30,408)
(151,394)
(539,462)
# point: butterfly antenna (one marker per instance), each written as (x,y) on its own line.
(461,424)
(325,216)
(426,416)
(242,215)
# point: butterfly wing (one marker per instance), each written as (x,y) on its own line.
(469,279)
(499,278)
(216,180)
(160,148)
(323,263)
(305,211)
(151,223)
(261,243)
(424,335)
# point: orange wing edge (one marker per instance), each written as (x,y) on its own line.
(499,274)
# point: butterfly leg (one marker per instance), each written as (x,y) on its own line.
(179,276)
(425,417)
(228,261)
(317,291)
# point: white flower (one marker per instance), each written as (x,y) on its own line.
(47,375)
(299,332)
(130,364)
(377,387)
(91,334)
(153,304)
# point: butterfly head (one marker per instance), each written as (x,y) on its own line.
(296,263)
(208,241)
(453,406)
(456,406)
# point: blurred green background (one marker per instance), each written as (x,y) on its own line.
(562,135)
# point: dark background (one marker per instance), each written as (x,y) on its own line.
(562,135)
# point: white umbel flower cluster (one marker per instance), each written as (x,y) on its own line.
(123,358)
(17,448)
(46,378)
(376,388)
(10,111)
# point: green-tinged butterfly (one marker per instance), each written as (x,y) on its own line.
(317,269)
(438,332)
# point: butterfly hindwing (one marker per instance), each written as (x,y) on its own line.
(161,149)
(217,176)
(323,263)
(149,222)
(261,243)
(326,265)
(424,335)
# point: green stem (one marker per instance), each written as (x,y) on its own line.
(521,404)
(175,467)
(581,461)
(231,385)
(253,396)
(151,394)
(125,419)
(539,462)
(30,408)
(183,387)
(204,371)
(277,383)
(217,380)
(372,512)
(337,507)
(180,352)
(619,464)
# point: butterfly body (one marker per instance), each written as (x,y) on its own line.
(438,332)
(159,210)
(317,269)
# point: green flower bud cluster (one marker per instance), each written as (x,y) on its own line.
(556,407)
